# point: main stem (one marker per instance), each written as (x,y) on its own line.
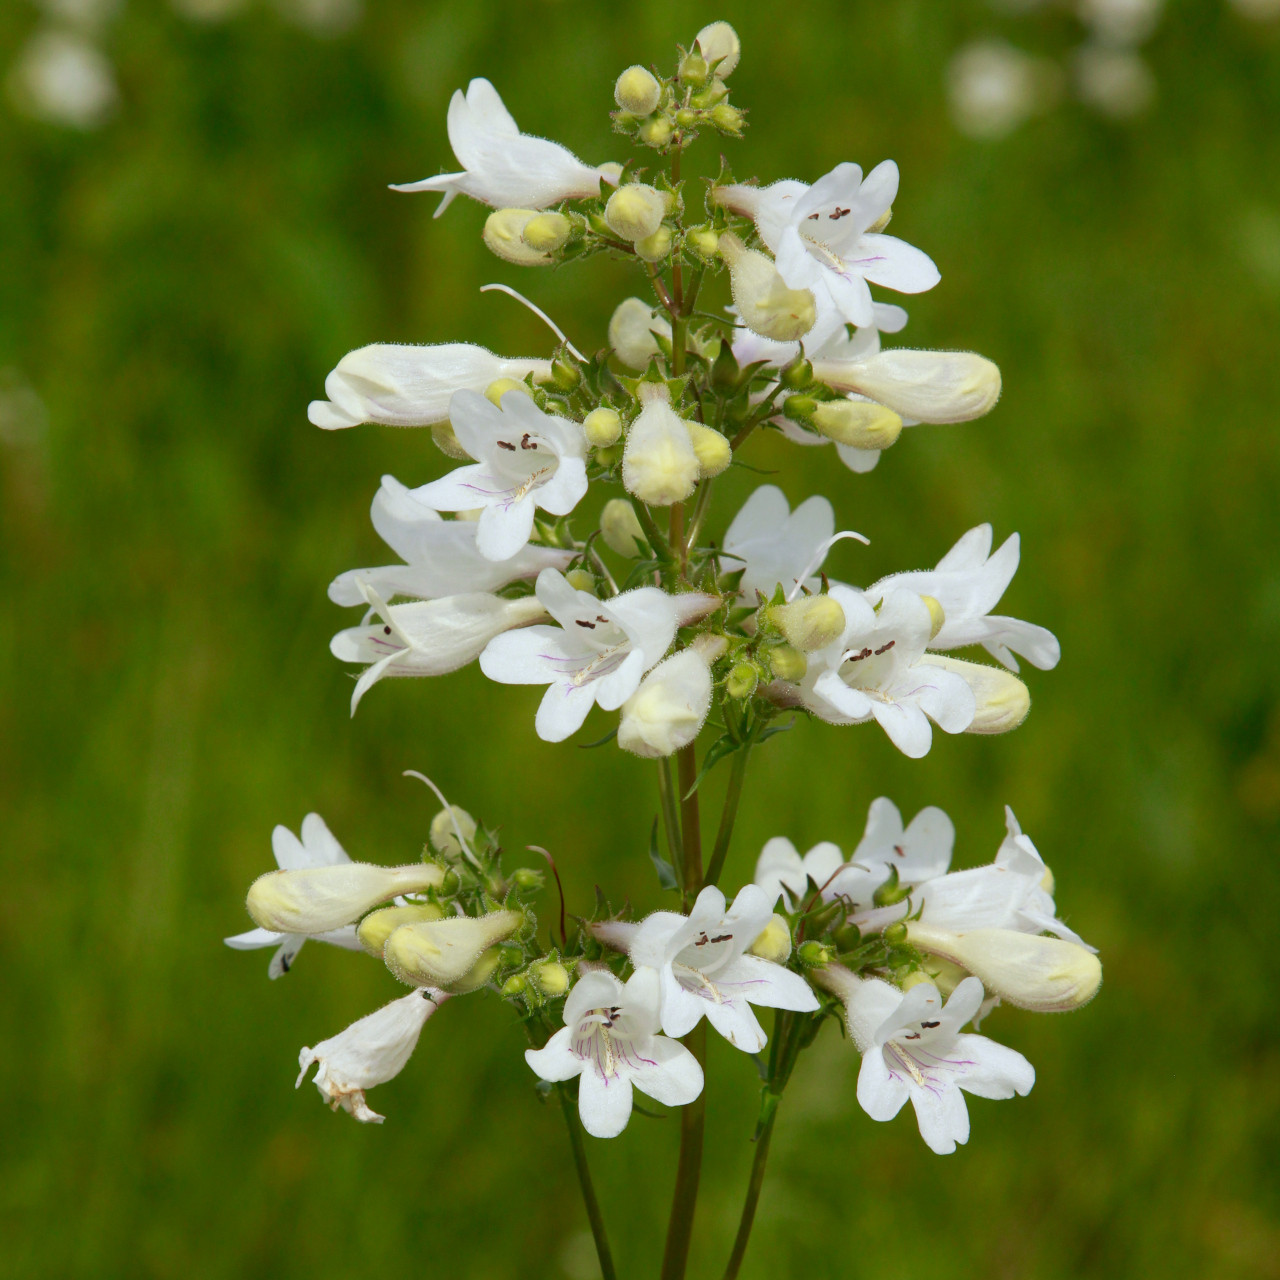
(594,1216)
(753,1198)
(693,1116)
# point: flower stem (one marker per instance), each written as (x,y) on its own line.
(729,814)
(753,1198)
(670,816)
(594,1215)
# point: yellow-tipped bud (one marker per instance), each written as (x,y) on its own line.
(602,427)
(719,44)
(704,241)
(712,449)
(809,624)
(637,90)
(317,899)
(631,330)
(1002,699)
(581,580)
(442,953)
(444,836)
(655,247)
(656,132)
(937,618)
(765,304)
(444,439)
(774,942)
(788,663)
(546,232)
(635,211)
(659,465)
(621,530)
(499,388)
(504,235)
(857,423)
(693,69)
(550,977)
(1047,975)
(929,386)
(379,925)
(668,709)
(742,680)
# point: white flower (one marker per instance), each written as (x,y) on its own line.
(407,386)
(317,848)
(668,709)
(64,79)
(764,302)
(526,459)
(780,868)
(968,583)
(822,238)
(777,545)
(503,167)
(599,652)
(874,671)
(704,968)
(441,556)
(369,1052)
(428,637)
(912,1047)
(610,1039)
(659,463)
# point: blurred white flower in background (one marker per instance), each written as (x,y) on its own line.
(1115,82)
(208,10)
(62,78)
(322,17)
(993,87)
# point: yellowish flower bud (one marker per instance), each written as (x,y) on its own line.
(928,386)
(655,247)
(857,423)
(442,953)
(712,449)
(765,304)
(726,118)
(659,465)
(602,427)
(1002,699)
(704,241)
(504,235)
(1048,975)
(774,942)
(742,680)
(631,330)
(447,442)
(667,711)
(546,232)
(499,388)
(479,973)
(788,663)
(808,624)
(693,69)
(621,530)
(379,925)
(718,42)
(550,977)
(656,132)
(637,91)
(317,899)
(937,618)
(580,580)
(442,833)
(635,211)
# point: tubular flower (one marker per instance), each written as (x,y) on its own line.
(774,545)
(317,848)
(314,900)
(501,166)
(669,708)
(526,459)
(610,1039)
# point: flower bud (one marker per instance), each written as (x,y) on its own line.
(668,709)
(765,304)
(602,427)
(516,985)
(635,211)
(711,448)
(621,529)
(528,879)
(443,833)
(494,392)
(659,465)
(709,95)
(318,899)
(444,439)
(703,240)
(788,663)
(565,375)
(857,423)
(637,91)
(693,69)
(1047,975)
(656,132)
(813,953)
(442,953)
(718,42)
(1002,699)
(581,580)
(727,119)
(937,617)
(774,942)
(928,386)
(550,977)
(809,624)
(797,374)
(742,680)
(896,934)
(379,925)
(655,247)
(686,117)
(631,329)
(504,235)
(547,232)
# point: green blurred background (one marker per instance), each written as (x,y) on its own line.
(175,285)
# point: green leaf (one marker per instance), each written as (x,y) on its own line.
(599,742)
(716,752)
(666,872)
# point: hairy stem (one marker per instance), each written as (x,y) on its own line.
(594,1215)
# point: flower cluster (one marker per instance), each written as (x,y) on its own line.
(643,610)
